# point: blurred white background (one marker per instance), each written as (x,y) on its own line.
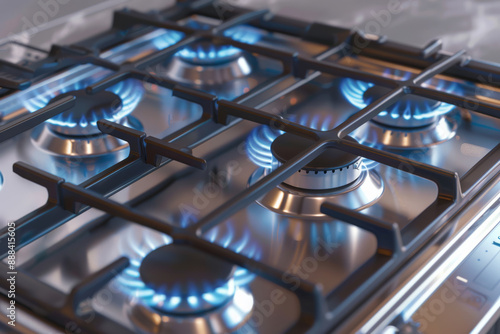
(471,24)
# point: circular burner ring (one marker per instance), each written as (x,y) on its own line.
(210,73)
(333,168)
(306,204)
(56,144)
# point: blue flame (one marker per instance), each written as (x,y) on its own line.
(131,283)
(354,92)
(211,52)
(220,52)
(259,145)
(169,38)
(242,34)
(225,236)
(397,74)
(130,92)
(259,141)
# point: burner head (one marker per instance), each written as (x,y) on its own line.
(331,169)
(82,118)
(181,272)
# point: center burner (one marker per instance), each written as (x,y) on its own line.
(333,168)
(334,176)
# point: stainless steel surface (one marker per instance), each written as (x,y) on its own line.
(285,228)
(422,279)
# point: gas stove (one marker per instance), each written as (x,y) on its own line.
(203,170)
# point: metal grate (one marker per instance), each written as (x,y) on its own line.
(318,313)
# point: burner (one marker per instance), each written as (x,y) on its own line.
(301,195)
(409,112)
(305,204)
(182,286)
(75,132)
(375,134)
(331,169)
(185,274)
(205,63)
(88,146)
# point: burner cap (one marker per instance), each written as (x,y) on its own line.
(331,169)
(82,118)
(183,270)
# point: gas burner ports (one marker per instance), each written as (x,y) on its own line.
(332,169)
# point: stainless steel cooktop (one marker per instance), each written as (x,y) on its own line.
(208,168)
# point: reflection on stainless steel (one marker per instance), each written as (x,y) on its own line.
(321,251)
(294,202)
